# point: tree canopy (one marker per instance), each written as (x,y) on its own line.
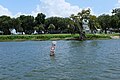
(72,24)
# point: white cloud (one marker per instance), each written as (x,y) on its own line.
(118,1)
(59,8)
(4,11)
(117,4)
(20,13)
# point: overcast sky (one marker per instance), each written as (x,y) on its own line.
(61,8)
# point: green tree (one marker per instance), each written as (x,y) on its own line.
(41,27)
(116,18)
(116,11)
(104,21)
(5,24)
(71,29)
(40,19)
(56,21)
(36,28)
(115,21)
(51,28)
(84,14)
(59,23)
(93,24)
(27,23)
(16,24)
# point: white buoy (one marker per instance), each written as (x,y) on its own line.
(52,50)
(54,42)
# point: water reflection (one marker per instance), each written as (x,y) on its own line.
(52,58)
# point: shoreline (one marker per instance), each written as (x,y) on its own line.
(115,37)
(44,37)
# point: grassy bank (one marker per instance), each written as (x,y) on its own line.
(98,36)
(50,37)
(34,37)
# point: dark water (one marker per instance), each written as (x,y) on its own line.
(74,60)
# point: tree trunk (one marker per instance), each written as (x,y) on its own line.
(82,36)
(105,31)
(81,33)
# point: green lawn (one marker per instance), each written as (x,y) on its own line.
(53,37)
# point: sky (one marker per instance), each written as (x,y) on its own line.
(60,8)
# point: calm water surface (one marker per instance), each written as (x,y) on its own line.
(74,60)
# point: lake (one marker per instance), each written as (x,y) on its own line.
(73,60)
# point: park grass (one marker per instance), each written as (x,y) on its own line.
(53,37)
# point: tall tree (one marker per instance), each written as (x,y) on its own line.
(104,21)
(16,24)
(84,14)
(5,24)
(27,23)
(40,19)
(93,24)
(116,18)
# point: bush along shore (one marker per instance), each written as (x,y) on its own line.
(52,37)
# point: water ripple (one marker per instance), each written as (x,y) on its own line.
(73,60)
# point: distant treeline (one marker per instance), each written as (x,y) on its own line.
(29,24)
